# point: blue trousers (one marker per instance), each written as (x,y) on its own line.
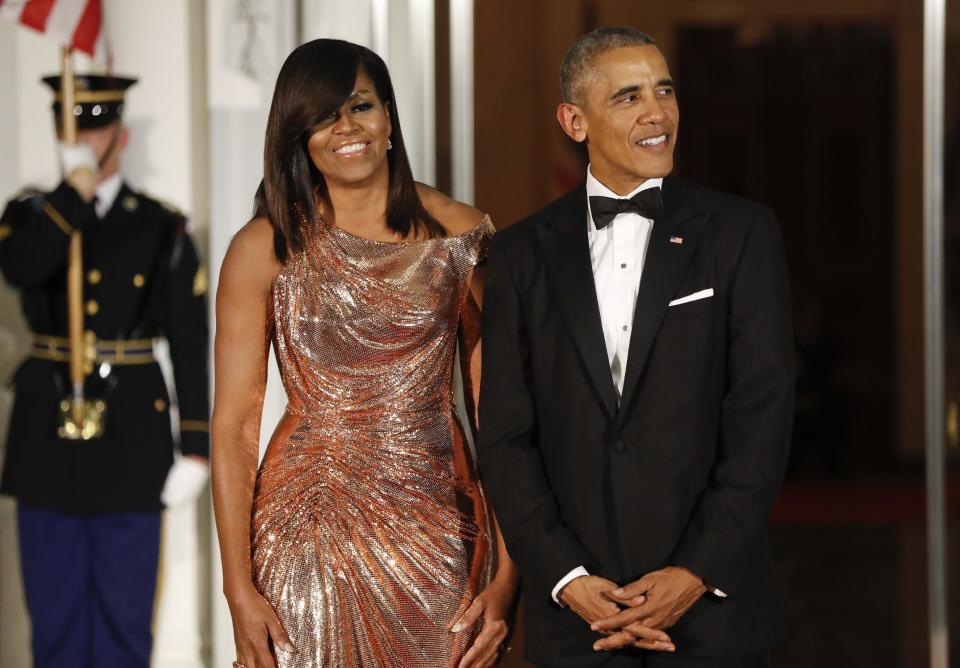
(90,582)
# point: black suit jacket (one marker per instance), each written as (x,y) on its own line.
(685,469)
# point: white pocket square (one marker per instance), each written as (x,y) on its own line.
(703,294)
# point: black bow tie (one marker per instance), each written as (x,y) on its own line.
(647,203)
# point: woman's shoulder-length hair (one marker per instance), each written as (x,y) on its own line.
(314,82)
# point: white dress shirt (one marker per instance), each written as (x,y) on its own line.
(617,253)
(106,194)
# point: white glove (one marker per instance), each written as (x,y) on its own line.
(77,156)
(185,481)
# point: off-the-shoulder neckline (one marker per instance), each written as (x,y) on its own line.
(485,220)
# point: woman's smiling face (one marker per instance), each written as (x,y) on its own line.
(350,147)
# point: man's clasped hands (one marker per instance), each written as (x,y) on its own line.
(637,613)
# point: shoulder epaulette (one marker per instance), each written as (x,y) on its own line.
(172,208)
(28,193)
(164,204)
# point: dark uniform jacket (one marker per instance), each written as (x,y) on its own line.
(141,280)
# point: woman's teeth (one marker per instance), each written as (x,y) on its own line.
(350,148)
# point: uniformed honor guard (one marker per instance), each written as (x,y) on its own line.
(90,492)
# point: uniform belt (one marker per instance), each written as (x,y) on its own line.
(120,351)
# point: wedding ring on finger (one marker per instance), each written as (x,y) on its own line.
(237,664)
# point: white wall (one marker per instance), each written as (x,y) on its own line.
(237,107)
(13,625)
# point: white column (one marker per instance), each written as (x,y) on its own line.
(350,20)
(411,59)
(933,110)
(461,99)
(245,50)
(402,33)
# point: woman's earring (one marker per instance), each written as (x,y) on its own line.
(389,144)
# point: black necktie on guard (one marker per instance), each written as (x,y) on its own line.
(648,203)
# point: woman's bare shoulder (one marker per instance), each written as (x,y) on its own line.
(456,217)
(250,258)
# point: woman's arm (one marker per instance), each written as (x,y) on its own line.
(470,347)
(496,603)
(241,346)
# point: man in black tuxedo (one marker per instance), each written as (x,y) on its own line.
(637,391)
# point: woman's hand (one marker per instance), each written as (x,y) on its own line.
(494,604)
(255,624)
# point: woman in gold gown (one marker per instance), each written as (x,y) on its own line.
(364,538)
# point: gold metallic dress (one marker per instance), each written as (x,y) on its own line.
(370,531)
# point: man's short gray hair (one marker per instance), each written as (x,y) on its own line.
(579,57)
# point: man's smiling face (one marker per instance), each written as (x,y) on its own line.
(629,115)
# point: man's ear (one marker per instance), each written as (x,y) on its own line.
(124,137)
(572,121)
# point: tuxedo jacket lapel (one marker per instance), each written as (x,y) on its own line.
(571,276)
(665,265)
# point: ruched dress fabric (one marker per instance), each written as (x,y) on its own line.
(370,532)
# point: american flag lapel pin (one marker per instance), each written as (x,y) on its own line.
(676,240)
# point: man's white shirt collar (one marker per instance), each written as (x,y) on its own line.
(597,189)
(107,194)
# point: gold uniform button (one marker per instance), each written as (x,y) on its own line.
(93,276)
(200,281)
(92,307)
(160,405)
(90,336)
(138,280)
